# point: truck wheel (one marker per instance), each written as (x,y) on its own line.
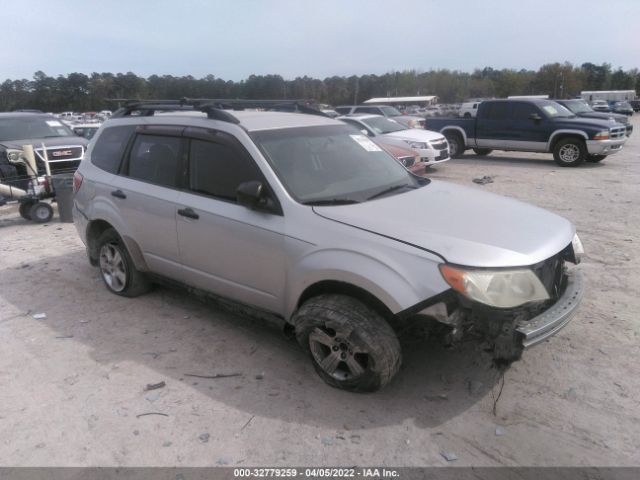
(40,212)
(595,158)
(456,144)
(25,210)
(351,346)
(117,269)
(482,151)
(569,152)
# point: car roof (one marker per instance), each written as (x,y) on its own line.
(251,120)
(360,116)
(25,115)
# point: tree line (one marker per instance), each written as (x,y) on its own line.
(81,93)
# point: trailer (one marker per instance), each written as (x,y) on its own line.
(608,95)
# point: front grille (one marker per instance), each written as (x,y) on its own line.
(407,161)
(62,159)
(551,273)
(618,132)
(439,145)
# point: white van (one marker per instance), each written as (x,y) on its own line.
(469,109)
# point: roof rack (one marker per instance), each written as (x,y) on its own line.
(215,108)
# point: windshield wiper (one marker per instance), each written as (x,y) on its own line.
(331,201)
(391,189)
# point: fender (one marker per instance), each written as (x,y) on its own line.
(560,132)
(385,282)
(459,129)
(103,209)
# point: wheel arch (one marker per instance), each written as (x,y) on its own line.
(96,227)
(563,134)
(457,130)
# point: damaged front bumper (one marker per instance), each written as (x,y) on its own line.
(557,316)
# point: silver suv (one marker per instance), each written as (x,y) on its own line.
(304,218)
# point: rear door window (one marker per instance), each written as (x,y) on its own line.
(497,111)
(156,159)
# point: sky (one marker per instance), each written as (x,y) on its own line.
(232,39)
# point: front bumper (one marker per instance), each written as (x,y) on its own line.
(605,147)
(557,316)
(432,156)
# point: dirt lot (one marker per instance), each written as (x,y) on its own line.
(71,385)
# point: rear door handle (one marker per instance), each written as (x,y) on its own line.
(118,194)
(189,213)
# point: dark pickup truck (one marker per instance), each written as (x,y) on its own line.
(532,125)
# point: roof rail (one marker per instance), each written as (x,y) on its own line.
(215,108)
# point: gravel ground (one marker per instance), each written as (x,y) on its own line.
(72,384)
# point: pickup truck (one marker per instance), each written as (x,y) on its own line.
(531,125)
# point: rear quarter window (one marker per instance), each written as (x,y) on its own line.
(109,149)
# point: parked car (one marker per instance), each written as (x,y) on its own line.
(409,158)
(85,130)
(582,109)
(64,150)
(600,106)
(469,109)
(272,211)
(410,121)
(431,146)
(532,125)
(623,108)
(635,104)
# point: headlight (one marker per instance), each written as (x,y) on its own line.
(14,155)
(496,288)
(603,135)
(418,145)
(578,249)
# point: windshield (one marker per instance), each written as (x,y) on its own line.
(391,111)
(382,125)
(578,107)
(22,128)
(332,164)
(553,110)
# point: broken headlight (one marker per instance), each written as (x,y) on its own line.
(496,288)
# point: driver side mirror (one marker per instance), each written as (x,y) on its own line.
(255,196)
(535,117)
(365,132)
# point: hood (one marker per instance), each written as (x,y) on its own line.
(592,124)
(463,225)
(416,134)
(71,140)
(604,116)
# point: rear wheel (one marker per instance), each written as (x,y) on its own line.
(570,152)
(117,269)
(40,212)
(25,210)
(351,346)
(482,151)
(456,144)
(595,158)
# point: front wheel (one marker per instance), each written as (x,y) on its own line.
(116,267)
(351,346)
(25,210)
(456,144)
(570,152)
(595,158)
(482,151)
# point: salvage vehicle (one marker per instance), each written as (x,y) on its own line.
(63,148)
(600,106)
(409,121)
(302,219)
(623,108)
(431,146)
(532,125)
(582,109)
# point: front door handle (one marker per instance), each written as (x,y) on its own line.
(118,194)
(189,213)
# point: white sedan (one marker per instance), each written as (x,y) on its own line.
(431,146)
